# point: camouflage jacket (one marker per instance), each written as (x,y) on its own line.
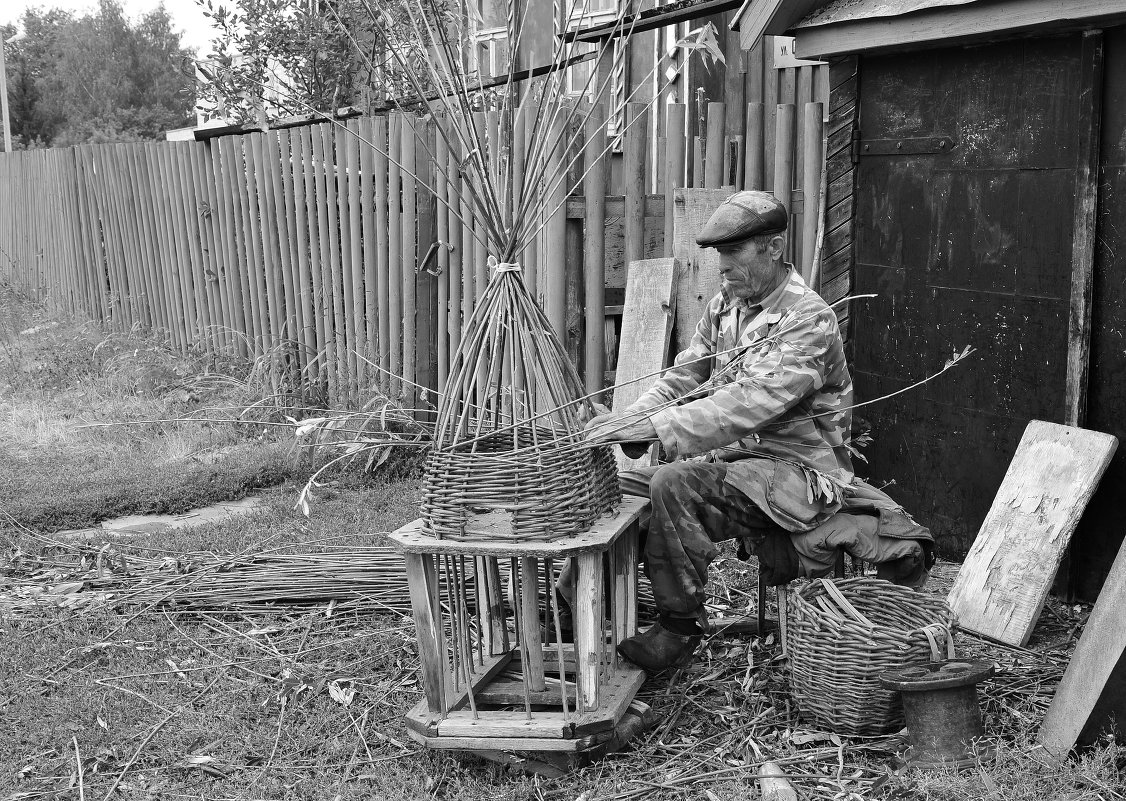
(768,387)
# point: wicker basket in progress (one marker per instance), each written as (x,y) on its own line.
(509,460)
(842,635)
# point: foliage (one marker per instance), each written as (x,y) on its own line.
(100,77)
(280,58)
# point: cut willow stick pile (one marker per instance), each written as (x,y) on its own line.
(504,465)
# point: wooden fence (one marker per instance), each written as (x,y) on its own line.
(351,265)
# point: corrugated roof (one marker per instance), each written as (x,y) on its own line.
(850,10)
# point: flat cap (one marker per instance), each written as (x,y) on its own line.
(741,216)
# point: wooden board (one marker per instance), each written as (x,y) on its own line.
(1093,690)
(1009,570)
(411,538)
(647,323)
(698,273)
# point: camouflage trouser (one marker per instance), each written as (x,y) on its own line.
(692,508)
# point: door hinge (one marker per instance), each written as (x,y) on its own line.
(907,146)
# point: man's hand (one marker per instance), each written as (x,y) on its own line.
(634,432)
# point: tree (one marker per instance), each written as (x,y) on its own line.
(97,78)
(286,57)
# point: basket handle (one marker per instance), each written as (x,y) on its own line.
(931,633)
(844,604)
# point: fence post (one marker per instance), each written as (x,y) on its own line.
(634,179)
(813,157)
(675,158)
(594,191)
(713,150)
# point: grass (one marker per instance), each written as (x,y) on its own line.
(100,701)
(74,402)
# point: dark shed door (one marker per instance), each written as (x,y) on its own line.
(965,246)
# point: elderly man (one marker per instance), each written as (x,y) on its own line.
(755,418)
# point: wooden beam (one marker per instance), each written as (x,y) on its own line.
(653,206)
(758,18)
(651,19)
(966,23)
(1085,223)
(1093,689)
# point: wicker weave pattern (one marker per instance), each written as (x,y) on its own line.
(509,461)
(841,636)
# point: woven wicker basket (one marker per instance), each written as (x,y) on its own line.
(509,462)
(842,635)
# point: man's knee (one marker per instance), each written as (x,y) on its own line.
(677,479)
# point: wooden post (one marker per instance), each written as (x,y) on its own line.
(594,257)
(634,179)
(588,626)
(713,149)
(675,157)
(455,247)
(530,623)
(813,160)
(784,156)
(1085,228)
(553,287)
(442,186)
(422,579)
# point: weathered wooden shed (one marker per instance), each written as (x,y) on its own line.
(978,166)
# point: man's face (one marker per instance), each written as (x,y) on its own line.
(747,273)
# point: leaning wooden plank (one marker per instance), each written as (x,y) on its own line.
(1093,692)
(698,278)
(1002,585)
(650,309)
(548,725)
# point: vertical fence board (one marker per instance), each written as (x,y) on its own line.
(382,259)
(394,251)
(357,314)
(282,177)
(594,256)
(442,190)
(233,274)
(367,234)
(456,245)
(409,255)
(314,208)
(335,285)
(713,147)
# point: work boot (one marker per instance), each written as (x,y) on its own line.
(658,649)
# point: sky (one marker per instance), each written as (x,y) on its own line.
(186,15)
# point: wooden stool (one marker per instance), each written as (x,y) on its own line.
(490,687)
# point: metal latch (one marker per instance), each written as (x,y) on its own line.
(916,146)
